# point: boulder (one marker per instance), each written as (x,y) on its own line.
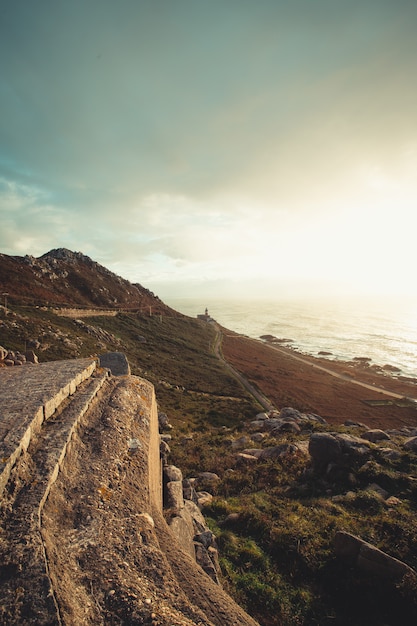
(204,499)
(240,443)
(324,448)
(172,473)
(207,538)
(116,362)
(258,437)
(197,518)
(355,449)
(188,491)
(277,452)
(163,422)
(375,435)
(313,417)
(253,452)
(182,527)
(173,498)
(202,556)
(411,444)
(289,412)
(31,357)
(369,558)
(378,490)
(338,449)
(232,518)
(390,454)
(207,478)
(286,427)
(164,451)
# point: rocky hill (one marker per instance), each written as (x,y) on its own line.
(65,278)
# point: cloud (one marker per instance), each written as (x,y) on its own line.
(196,139)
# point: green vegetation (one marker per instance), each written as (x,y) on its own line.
(275,520)
(275,523)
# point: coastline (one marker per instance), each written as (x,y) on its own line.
(321,385)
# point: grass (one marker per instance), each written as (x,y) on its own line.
(276,550)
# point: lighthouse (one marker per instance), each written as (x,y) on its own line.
(205,316)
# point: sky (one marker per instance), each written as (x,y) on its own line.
(214,147)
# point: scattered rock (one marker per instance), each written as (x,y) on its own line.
(173,498)
(240,443)
(188,491)
(116,362)
(375,435)
(207,478)
(379,490)
(244,458)
(390,454)
(340,449)
(258,437)
(204,499)
(411,444)
(172,473)
(369,558)
(163,422)
(232,518)
(286,427)
(289,412)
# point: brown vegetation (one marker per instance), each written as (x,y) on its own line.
(287,381)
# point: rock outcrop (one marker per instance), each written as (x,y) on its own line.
(356,551)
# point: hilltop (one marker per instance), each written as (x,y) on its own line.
(71,279)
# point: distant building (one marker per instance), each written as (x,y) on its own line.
(205,316)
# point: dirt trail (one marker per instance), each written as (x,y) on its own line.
(264,402)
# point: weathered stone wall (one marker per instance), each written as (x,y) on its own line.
(75,313)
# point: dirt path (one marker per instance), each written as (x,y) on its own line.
(259,397)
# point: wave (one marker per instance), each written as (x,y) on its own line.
(385,333)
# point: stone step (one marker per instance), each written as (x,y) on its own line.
(28,396)
(22,548)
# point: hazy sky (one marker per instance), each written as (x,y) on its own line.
(207,146)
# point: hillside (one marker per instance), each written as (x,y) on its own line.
(275,509)
(65,278)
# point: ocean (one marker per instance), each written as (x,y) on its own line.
(383,330)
